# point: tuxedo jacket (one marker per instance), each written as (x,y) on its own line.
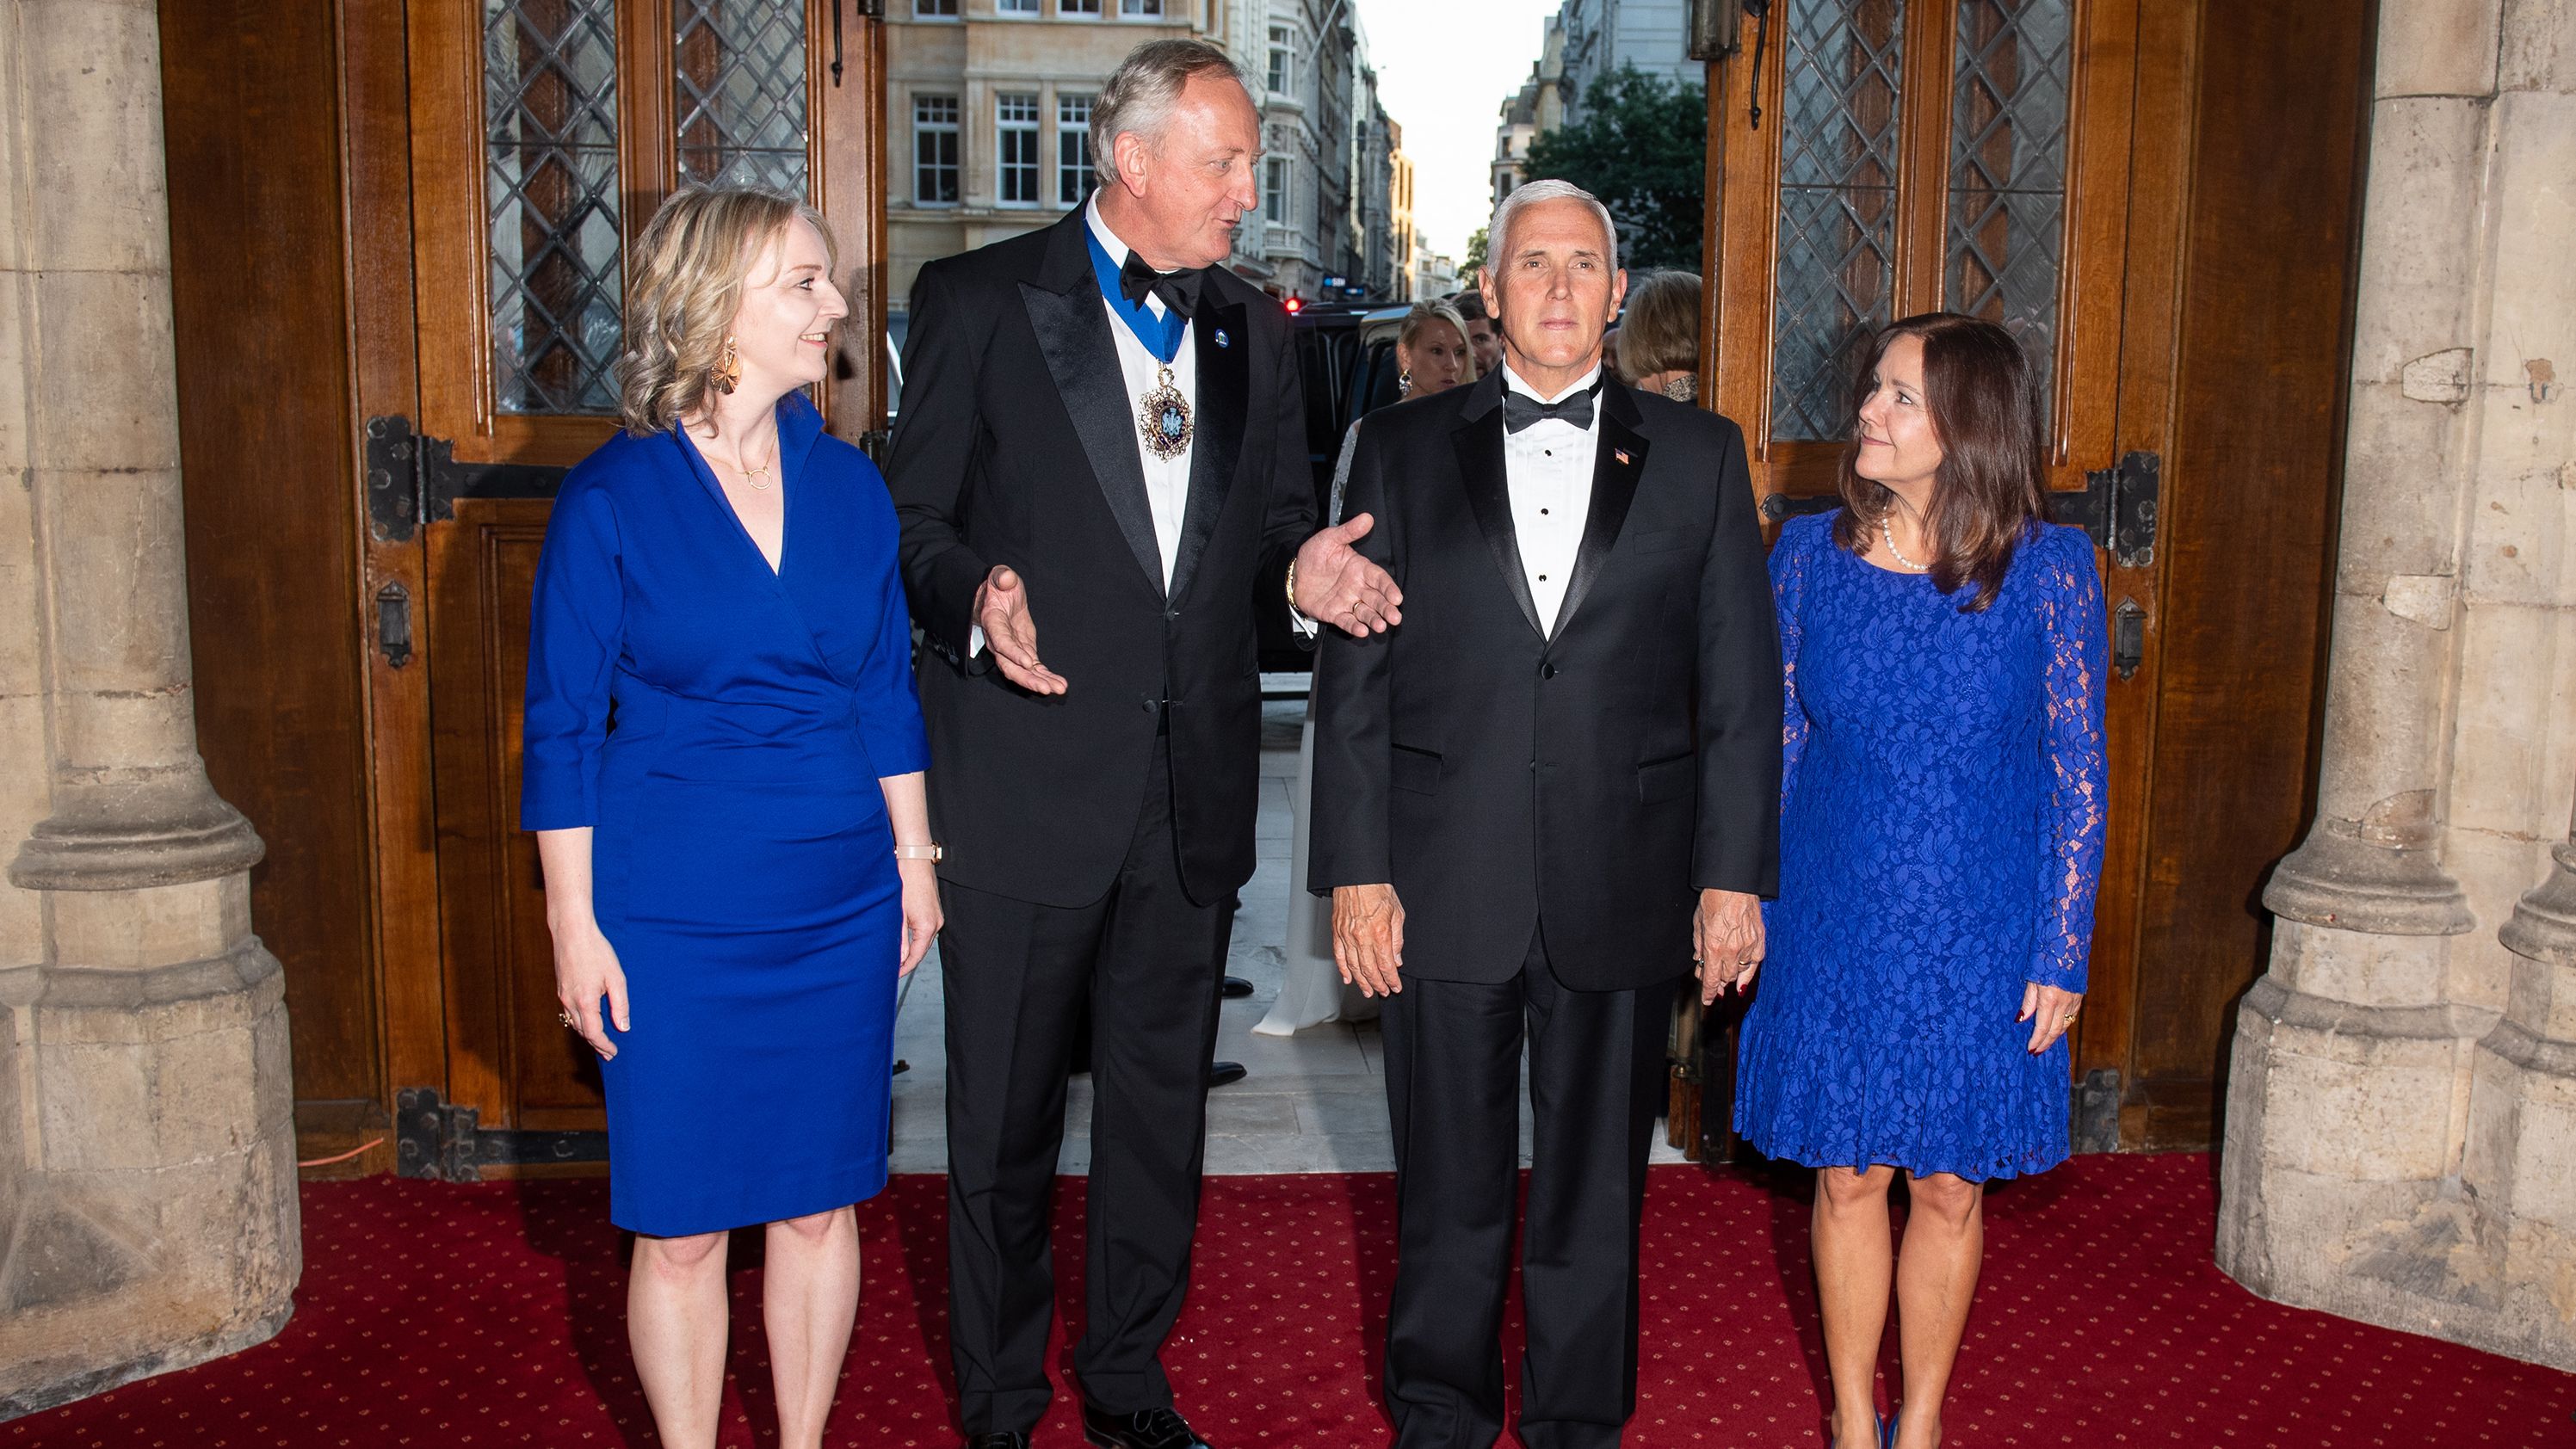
(1583,784)
(1017,444)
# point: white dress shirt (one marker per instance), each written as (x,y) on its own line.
(1167,480)
(1548,468)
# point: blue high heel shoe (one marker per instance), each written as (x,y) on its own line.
(1887,1433)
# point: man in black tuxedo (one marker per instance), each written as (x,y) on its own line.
(1539,801)
(1102,433)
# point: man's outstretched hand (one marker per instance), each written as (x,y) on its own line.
(1338,587)
(1002,610)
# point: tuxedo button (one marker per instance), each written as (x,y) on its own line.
(1547,671)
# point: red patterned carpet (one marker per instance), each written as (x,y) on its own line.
(489,1315)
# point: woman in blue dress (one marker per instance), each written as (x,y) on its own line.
(723,765)
(1940,842)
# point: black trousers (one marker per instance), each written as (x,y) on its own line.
(1148,960)
(1453,1052)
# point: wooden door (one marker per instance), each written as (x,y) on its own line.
(544,133)
(2089,174)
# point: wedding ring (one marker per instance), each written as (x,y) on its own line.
(566,1018)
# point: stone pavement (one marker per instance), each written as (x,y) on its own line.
(1313,1102)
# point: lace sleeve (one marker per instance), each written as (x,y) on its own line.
(2073,631)
(1788,591)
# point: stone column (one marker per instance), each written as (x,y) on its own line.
(2395,1072)
(146,1142)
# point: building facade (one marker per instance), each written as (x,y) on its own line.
(988,115)
(1599,36)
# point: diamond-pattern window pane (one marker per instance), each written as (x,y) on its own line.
(1837,225)
(2008,115)
(739,92)
(550,187)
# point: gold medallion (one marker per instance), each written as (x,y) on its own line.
(1163,416)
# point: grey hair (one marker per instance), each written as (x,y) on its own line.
(1141,92)
(1498,232)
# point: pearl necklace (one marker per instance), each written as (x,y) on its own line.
(1888,536)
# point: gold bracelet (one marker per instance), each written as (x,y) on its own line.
(1292,590)
(921,852)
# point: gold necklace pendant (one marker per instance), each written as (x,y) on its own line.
(1163,417)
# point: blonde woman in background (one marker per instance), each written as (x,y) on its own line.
(1658,337)
(1432,354)
(724,771)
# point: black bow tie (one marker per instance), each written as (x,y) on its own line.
(1520,410)
(1179,290)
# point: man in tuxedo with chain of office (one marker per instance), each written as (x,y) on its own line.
(1102,449)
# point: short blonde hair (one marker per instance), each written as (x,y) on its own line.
(689,269)
(1659,331)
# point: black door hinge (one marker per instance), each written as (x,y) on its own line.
(2118,508)
(447,1143)
(413,479)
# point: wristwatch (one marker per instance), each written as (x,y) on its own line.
(921,852)
(1292,591)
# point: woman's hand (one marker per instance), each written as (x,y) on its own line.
(2050,1012)
(586,969)
(921,917)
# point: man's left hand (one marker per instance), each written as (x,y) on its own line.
(1338,587)
(1726,941)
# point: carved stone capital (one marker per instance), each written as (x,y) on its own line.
(2543,926)
(2337,878)
(172,832)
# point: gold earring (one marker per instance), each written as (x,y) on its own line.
(728,373)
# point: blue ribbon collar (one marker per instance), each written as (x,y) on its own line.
(1160,335)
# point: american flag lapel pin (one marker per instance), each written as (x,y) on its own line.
(1621,454)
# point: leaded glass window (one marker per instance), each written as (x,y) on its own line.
(550,200)
(2008,119)
(738,92)
(1837,210)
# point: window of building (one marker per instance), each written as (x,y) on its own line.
(934,149)
(1015,125)
(1077,7)
(1015,7)
(1283,60)
(1274,191)
(1072,148)
(1140,9)
(934,9)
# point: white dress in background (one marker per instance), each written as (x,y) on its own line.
(1311,991)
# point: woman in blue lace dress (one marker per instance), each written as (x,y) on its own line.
(1941,838)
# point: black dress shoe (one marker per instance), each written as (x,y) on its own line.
(1235,988)
(1009,1440)
(1221,1074)
(1144,1429)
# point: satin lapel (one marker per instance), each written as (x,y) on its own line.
(1616,466)
(1216,442)
(1489,493)
(1073,331)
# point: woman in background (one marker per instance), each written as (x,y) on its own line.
(1940,843)
(1659,335)
(723,767)
(1432,354)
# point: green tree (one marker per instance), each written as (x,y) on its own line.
(1642,147)
(1475,260)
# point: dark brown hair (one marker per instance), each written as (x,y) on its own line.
(1992,483)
